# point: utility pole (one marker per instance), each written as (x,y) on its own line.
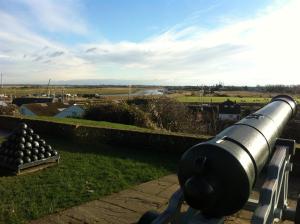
(48,90)
(62,95)
(129,91)
(2,92)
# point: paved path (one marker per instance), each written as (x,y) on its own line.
(124,207)
(128,206)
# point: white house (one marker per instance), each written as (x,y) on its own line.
(52,110)
(3,104)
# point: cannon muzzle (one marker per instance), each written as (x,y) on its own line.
(217,176)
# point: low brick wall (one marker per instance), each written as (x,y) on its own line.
(86,134)
(137,139)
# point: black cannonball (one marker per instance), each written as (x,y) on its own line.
(30,131)
(9,160)
(48,147)
(21,139)
(35,151)
(4,159)
(11,145)
(35,144)
(29,138)
(5,151)
(12,160)
(47,154)
(27,152)
(23,132)
(42,149)
(19,161)
(5,144)
(36,137)
(34,158)
(10,152)
(42,142)
(41,156)
(12,137)
(27,159)
(19,154)
(20,146)
(54,153)
(28,145)
(23,126)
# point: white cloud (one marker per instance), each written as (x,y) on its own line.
(28,57)
(57,15)
(261,50)
(256,51)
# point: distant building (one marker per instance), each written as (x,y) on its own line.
(28,100)
(3,104)
(52,110)
(229,110)
(72,111)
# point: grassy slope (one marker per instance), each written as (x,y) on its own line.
(91,123)
(105,124)
(85,173)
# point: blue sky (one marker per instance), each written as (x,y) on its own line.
(163,42)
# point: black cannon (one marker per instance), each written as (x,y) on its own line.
(216,177)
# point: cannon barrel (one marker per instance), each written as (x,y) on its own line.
(217,176)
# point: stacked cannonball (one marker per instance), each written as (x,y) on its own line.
(24,146)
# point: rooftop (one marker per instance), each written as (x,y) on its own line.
(47,109)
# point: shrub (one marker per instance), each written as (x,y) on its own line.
(171,115)
(10,109)
(119,113)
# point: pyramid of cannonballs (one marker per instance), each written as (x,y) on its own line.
(23,147)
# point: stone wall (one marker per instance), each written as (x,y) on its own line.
(86,134)
(170,142)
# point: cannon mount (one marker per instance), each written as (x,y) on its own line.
(271,206)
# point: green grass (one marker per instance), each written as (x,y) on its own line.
(83,122)
(215,99)
(19,91)
(220,99)
(105,124)
(85,173)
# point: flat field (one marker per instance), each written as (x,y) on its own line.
(84,173)
(23,91)
(219,99)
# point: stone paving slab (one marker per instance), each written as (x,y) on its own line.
(153,187)
(93,212)
(135,200)
(128,206)
(124,207)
